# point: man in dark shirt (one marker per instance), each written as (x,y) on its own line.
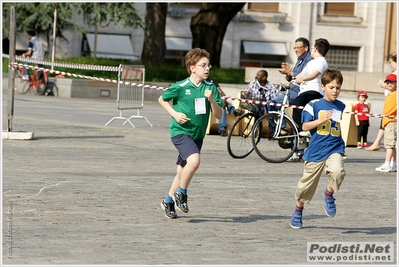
(302,51)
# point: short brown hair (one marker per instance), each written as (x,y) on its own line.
(195,55)
(331,74)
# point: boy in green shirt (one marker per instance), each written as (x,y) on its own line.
(189,102)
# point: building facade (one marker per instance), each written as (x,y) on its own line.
(362,34)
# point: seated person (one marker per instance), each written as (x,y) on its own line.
(222,125)
(261,89)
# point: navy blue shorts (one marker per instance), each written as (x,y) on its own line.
(186,147)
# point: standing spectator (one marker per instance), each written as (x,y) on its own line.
(389,125)
(326,147)
(260,89)
(222,124)
(376,144)
(301,49)
(189,103)
(362,120)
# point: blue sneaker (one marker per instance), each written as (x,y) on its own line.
(296,221)
(330,207)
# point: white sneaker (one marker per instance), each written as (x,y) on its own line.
(305,134)
(25,77)
(383,168)
(294,158)
(393,168)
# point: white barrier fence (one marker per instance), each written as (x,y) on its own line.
(130,97)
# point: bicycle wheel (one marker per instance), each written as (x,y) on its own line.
(40,83)
(276,147)
(239,142)
(21,86)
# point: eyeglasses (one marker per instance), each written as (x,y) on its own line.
(204,66)
(299,47)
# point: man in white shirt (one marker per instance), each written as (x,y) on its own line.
(310,78)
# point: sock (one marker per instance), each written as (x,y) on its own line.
(327,193)
(168,199)
(181,190)
(387,163)
(393,163)
(298,209)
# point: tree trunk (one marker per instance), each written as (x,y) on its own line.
(209,26)
(154,36)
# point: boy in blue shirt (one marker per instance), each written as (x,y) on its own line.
(189,103)
(326,147)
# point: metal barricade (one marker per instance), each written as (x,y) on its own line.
(130,96)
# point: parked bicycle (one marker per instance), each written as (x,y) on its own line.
(242,146)
(274,136)
(37,82)
(280,138)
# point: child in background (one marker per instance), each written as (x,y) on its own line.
(389,125)
(362,119)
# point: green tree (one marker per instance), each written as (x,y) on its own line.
(209,26)
(121,15)
(40,18)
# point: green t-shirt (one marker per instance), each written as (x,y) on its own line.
(184,94)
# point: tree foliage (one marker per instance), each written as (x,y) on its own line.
(119,14)
(40,18)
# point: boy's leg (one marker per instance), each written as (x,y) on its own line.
(188,162)
(189,170)
(305,190)
(187,174)
(336,174)
(308,183)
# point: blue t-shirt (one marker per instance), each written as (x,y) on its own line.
(326,138)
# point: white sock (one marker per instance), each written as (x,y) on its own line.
(393,163)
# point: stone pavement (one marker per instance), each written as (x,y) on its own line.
(82,193)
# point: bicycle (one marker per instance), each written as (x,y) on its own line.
(278,136)
(37,82)
(239,144)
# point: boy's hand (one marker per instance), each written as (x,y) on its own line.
(181,118)
(327,115)
(208,94)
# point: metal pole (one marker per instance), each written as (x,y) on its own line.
(54,34)
(11,72)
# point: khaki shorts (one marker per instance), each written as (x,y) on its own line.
(334,168)
(390,135)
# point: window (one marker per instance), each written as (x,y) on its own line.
(263,6)
(176,49)
(346,9)
(118,46)
(262,54)
(343,57)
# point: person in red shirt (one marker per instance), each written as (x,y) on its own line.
(362,119)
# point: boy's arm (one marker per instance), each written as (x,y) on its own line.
(303,78)
(216,109)
(181,118)
(307,126)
